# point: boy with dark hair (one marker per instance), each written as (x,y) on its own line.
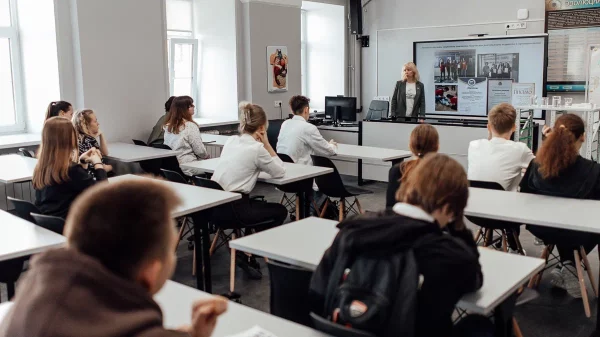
(120,252)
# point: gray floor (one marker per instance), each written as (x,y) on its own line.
(553,314)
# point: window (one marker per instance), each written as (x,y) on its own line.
(11,111)
(182,48)
(303,64)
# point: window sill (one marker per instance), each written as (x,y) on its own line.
(210,122)
(20,140)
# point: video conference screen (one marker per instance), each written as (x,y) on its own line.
(468,77)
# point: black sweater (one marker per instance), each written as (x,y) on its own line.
(394,177)
(56,199)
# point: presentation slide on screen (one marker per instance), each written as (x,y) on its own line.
(468,77)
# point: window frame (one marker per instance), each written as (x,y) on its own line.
(303,53)
(12,34)
(194,43)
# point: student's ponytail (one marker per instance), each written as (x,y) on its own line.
(559,151)
(54,108)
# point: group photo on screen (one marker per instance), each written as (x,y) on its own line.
(446,98)
(449,65)
(504,66)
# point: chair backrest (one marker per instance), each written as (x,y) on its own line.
(206,183)
(51,223)
(23,209)
(329,184)
(174,176)
(285,158)
(335,329)
(169,163)
(378,110)
(289,286)
(139,142)
(273,131)
(489,185)
(25,153)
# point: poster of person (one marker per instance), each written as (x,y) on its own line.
(498,66)
(472,96)
(446,98)
(449,65)
(277,68)
(499,91)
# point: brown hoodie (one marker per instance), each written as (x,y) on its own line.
(69,294)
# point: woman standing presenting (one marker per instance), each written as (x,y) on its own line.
(409,97)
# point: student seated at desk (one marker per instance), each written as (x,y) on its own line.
(59,109)
(60,175)
(88,132)
(158,133)
(242,159)
(499,159)
(300,139)
(120,251)
(424,139)
(183,134)
(560,171)
(429,219)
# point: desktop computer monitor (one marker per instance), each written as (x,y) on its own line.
(347,108)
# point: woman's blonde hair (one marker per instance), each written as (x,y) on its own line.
(82,120)
(56,153)
(252,117)
(412,67)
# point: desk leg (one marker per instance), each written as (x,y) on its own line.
(360,178)
(203,268)
(503,314)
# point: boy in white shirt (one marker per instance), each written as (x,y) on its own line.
(498,158)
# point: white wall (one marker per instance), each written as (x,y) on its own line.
(215,29)
(119,66)
(325,36)
(39,59)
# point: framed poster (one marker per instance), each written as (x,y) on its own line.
(277,69)
(499,91)
(521,94)
(472,96)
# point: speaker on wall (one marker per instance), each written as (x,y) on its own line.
(356,17)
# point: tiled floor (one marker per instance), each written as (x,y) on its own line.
(553,314)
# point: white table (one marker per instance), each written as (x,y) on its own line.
(293,172)
(4,309)
(214,140)
(346,151)
(129,153)
(176,302)
(195,202)
(15,168)
(211,122)
(20,140)
(303,243)
(20,238)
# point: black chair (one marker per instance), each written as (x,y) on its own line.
(335,329)
(273,132)
(184,222)
(139,142)
(51,223)
(289,199)
(378,110)
(489,226)
(174,176)
(23,209)
(332,186)
(151,166)
(290,284)
(26,153)
(169,163)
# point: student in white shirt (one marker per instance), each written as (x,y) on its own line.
(182,134)
(498,158)
(300,139)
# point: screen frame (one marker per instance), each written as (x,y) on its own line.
(352,99)
(508,37)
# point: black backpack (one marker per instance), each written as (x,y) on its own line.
(369,279)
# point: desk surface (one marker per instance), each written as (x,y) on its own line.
(532,209)
(129,153)
(21,238)
(15,168)
(194,198)
(353,129)
(176,301)
(370,153)
(503,273)
(214,140)
(20,140)
(293,172)
(210,122)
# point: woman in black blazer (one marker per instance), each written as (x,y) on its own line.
(409,96)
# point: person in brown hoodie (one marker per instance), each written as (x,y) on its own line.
(120,251)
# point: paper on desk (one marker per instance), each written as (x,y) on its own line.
(255,331)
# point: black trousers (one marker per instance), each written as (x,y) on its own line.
(566,241)
(258,214)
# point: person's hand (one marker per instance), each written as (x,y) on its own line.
(546,130)
(98,134)
(91,156)
(204,316)
(108,168)
(333,142)
(262,137)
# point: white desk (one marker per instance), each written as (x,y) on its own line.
(370,153)
(196,200)
(20,238)
(532,209)
(20,140)
(15,168)
(211,122)
(176,302)
(303,243)
(294,172)
(214,140)
(129,153)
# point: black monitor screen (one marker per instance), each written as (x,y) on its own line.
(347,107)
